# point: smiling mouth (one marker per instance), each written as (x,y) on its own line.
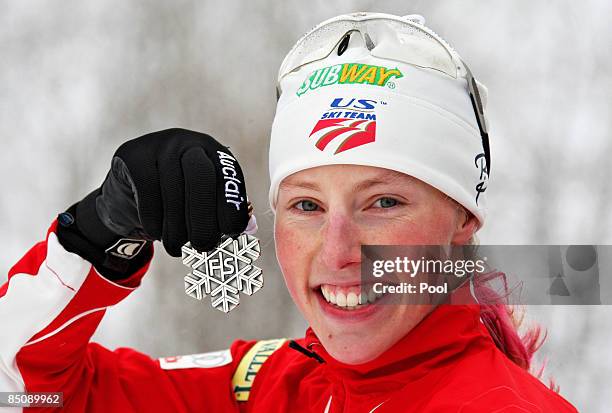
(349,298)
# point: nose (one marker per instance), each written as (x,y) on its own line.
(341,245)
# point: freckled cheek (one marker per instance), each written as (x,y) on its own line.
(426,229)
(292,251)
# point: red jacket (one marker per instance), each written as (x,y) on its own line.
(54,301)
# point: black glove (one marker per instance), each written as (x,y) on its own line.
(174,185)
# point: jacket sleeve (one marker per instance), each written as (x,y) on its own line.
(49,309)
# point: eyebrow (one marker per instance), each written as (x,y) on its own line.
(382,178)
(300,184)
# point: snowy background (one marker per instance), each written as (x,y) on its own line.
(78,78)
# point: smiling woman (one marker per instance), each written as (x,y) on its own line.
(400,161)
(379,137)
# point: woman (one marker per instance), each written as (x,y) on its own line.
(379,138)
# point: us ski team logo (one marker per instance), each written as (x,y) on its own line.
(349,73)
(353,120)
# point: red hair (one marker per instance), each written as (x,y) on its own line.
(503,323)
(500,318)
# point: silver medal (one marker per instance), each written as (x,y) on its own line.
(224,272)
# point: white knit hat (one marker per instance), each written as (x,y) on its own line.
(358,107)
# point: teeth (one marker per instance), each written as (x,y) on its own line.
(325,292)
(371,296)
(348,298)
(341,300)
(351,300)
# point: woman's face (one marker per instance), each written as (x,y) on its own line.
(323,216)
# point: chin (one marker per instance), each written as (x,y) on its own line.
(349,351)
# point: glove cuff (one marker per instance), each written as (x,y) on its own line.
(81,231)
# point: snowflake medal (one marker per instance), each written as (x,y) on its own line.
(224,272)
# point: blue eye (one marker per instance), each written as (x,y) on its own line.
(307,206)
(386,202)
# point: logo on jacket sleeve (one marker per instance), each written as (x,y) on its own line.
(198,361)
(352,122)
(349,73)
(243,378)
